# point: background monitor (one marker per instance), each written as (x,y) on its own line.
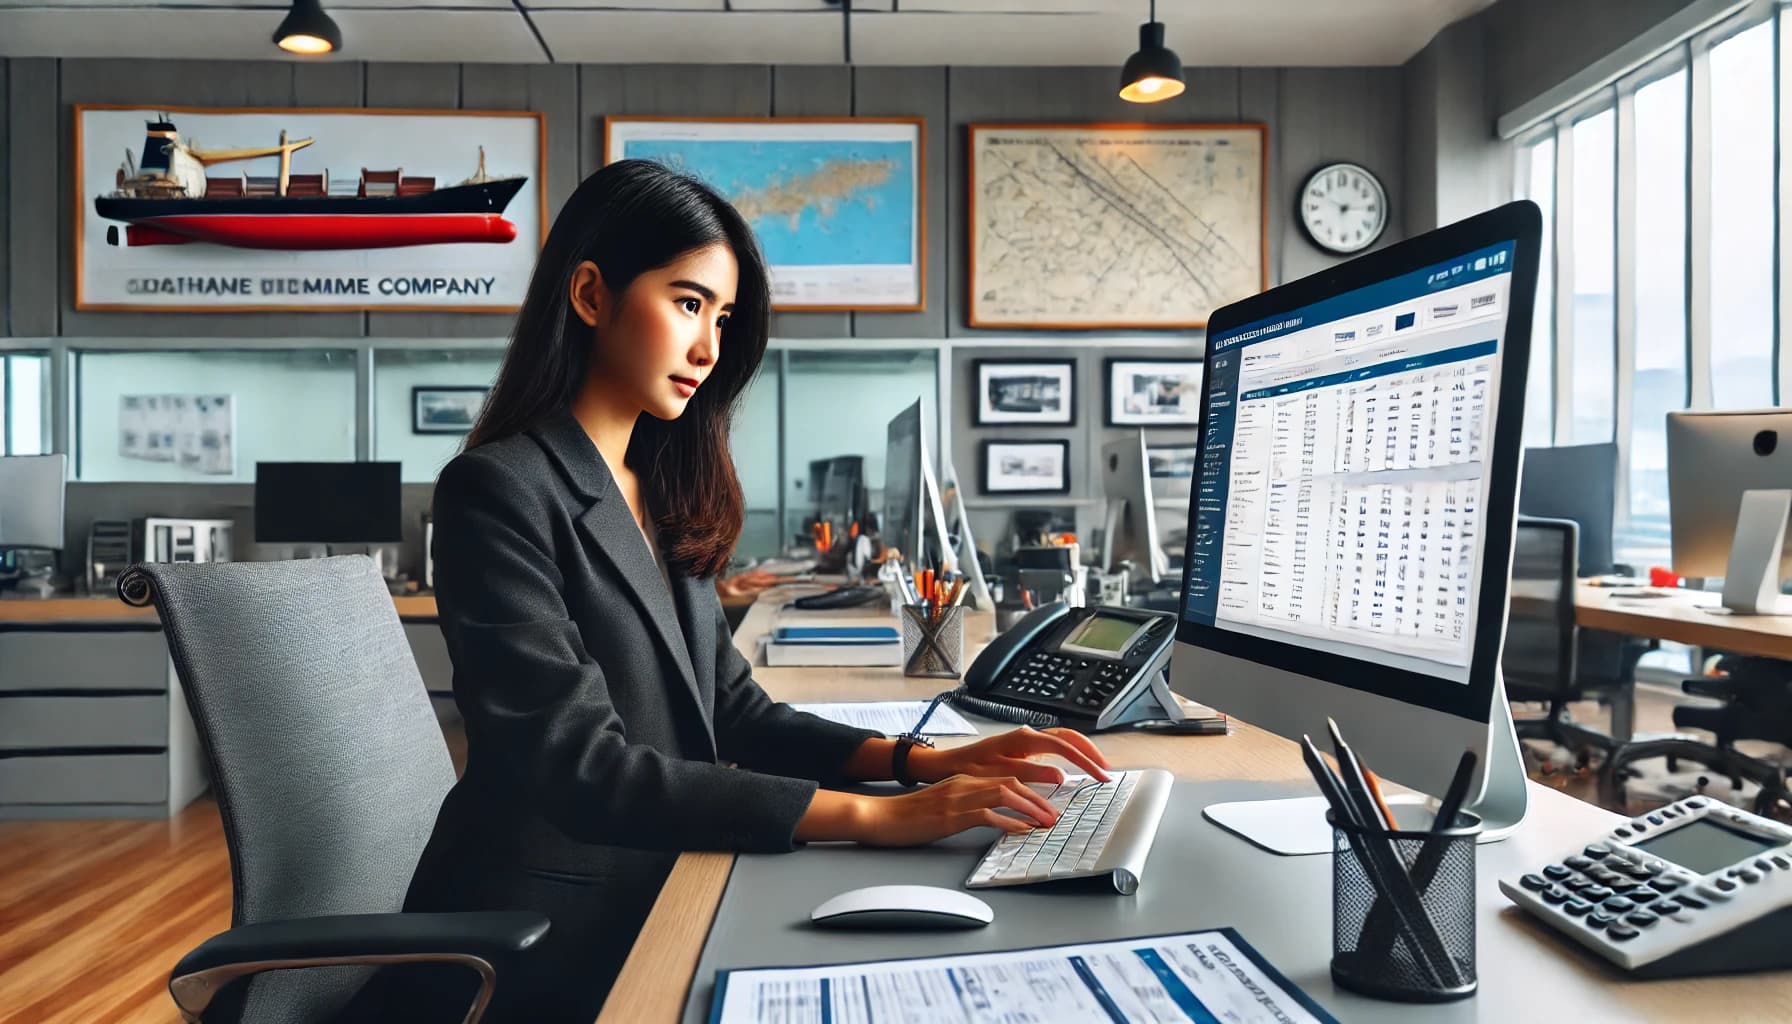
(899,526)
(1712,458)
(1350,541)
(33,490)
(842,495)
(1130,530)
(328,503)
(1578,482)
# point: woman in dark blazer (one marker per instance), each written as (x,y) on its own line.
(577,539)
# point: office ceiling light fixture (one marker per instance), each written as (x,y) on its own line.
(308,30)
(1153,74)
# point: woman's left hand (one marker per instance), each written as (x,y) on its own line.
(1010,755)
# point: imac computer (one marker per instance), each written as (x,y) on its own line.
(912,495)
(1129,532)
(960,539)
(33,491)
(1728,498)
(1350,536)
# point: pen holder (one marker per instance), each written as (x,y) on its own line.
(1416,945)
(932,649)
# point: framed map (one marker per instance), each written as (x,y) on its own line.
(837,203)
(1110,226)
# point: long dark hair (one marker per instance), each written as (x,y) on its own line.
(628,218)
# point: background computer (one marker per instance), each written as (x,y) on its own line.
(316,504)
(1129,536)
(1714,460)
(32,496)
(912,496)
(1577,482)
(1350,538)
(840,502)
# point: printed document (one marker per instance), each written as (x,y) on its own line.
(893,717)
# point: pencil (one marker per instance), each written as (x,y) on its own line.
(1381,802)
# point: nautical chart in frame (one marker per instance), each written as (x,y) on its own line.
(306,209)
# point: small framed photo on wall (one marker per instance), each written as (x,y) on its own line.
(1039,392)
(1154,392)
(1026,467)
(446,410)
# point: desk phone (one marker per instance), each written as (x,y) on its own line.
(1094,668)
(1697,887)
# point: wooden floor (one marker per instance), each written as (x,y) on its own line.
(94,914)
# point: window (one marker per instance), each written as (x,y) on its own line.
(1659,380)
(1742,147)
(1539,176)
(24,414)
(138,418)
(1591,388)
(397,376)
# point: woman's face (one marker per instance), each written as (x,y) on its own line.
(657,341)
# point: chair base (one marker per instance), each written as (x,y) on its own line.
(1722,760)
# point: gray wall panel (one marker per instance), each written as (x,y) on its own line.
(1329,114)
(1259,93)
(38,198)
(1536,45)
(811,91)
(914,92)
(327,85)
(554,90)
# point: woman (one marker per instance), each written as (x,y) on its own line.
(576,539)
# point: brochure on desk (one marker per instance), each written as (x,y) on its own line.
(1205,977)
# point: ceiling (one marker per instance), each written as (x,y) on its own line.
(877,32)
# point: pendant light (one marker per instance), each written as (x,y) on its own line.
(1153,74)
(308,30)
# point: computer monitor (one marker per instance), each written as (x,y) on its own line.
(912,495)
(33,490)
(1350,541)
(1129,532)
(1713,457)
(842,496)
(328,503)
(1577,482)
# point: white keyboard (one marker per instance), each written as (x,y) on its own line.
(1103,828)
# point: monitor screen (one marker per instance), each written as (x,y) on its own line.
(1344,474)
(900,523)
(327,503)
(840,489)
(32,496)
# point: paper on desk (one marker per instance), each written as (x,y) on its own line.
(893,717)
(1196,976)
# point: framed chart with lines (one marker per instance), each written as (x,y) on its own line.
(1114,226)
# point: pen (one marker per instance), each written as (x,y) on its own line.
(1377,931)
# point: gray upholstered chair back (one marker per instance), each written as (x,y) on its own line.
(326,759)
(1538,662)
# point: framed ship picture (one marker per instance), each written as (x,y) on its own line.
(839,204)
(303,209)
(1085,227)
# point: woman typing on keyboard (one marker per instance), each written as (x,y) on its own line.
(576,541)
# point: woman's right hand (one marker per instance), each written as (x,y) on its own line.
(952,805)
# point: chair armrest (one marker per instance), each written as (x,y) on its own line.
(475,940)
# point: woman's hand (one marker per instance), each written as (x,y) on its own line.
(1010,754)
(746,584)
(951,806)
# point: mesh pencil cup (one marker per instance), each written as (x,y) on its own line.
(932,648)
(1403,910)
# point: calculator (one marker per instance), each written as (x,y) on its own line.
(1697,887)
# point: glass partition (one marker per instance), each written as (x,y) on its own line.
(24,403)
(424,401)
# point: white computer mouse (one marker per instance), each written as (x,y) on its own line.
(903,906)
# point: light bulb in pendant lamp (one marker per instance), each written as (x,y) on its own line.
(1153,74)
(308,30)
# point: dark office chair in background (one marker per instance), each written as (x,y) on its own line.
(328,767)
(1540,660)
(1579,483)
(1757,705)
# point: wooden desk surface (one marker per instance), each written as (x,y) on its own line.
(1682,617)
(655,982)
(108,611)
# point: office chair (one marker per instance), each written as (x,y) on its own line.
(1757,705)
(328,767)
(1540,662)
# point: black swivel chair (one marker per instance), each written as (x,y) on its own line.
(1540,662)
(1757,705)
(328,767)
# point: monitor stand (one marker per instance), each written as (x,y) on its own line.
(1752,578)
(1297,826)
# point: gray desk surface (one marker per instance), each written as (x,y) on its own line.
(1198,876)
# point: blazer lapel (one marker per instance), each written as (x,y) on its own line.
(697,612)
(612,531)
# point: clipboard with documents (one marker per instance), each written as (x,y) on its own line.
(1203,977)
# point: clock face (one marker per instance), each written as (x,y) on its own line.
(1343,208)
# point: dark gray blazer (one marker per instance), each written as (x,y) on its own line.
(599,709)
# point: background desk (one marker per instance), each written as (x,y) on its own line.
(1198,875)
(92,720)
(1681,617)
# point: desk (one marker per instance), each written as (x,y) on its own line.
(1681,617)
(1525,970)
(109,610)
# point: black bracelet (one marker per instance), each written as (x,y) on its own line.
(899,756)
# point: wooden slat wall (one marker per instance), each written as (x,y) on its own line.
(1315,115)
